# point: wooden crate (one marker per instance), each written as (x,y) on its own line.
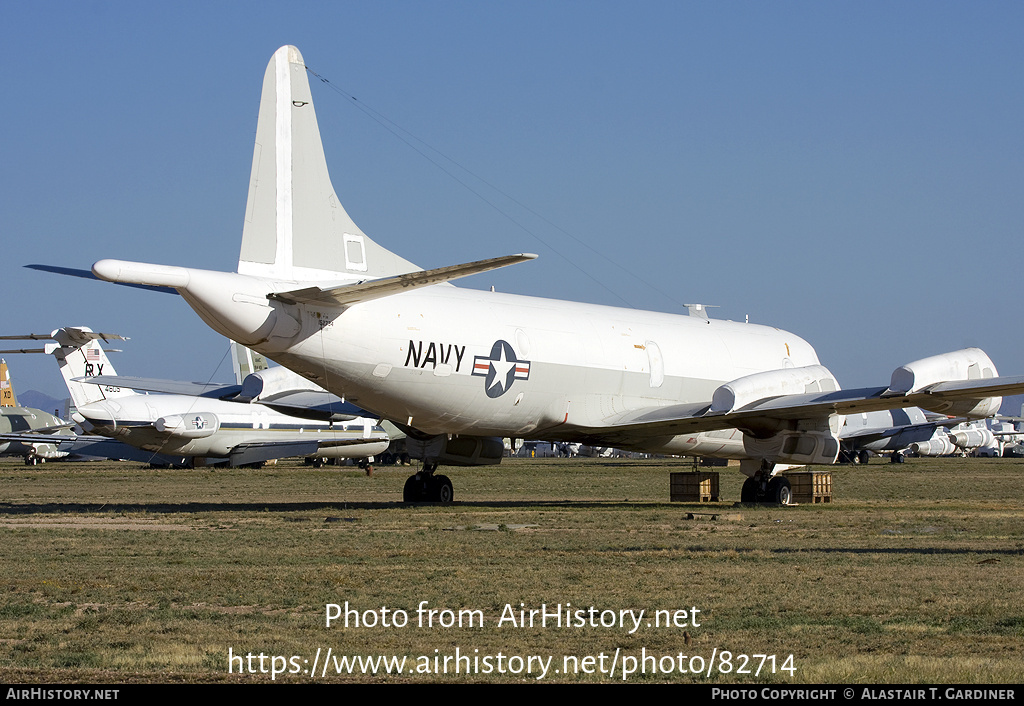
(811,486)
(694,487)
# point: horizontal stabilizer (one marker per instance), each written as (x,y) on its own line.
(28,337)
(171,387)
(87,274)
(69,335)
(348,294)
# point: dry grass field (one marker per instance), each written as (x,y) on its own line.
(117,573)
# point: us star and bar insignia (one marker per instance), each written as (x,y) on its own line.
(500,369)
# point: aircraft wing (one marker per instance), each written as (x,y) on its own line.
(244,454)
(87,446)
(772,413)
(39,438)
(100,447)
(892,431)
(311,404)
(877,433)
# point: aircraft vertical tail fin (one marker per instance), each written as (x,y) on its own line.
(7,397)
(295,227)
(79,355)
(246,361)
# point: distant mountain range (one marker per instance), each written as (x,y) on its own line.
(1011,406)
(37,400)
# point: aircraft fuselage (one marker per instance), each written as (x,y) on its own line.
(26,419)
(190,426)
(447,360)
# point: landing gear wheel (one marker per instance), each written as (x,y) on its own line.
(414,490)
(442,490)
(779,491)
(425,487)
(748,493)
(864,456)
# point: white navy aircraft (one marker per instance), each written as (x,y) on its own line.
(317,295)
(267,417)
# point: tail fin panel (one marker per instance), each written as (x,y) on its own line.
(295,226)
(79,355)
(246,361)
(7,397)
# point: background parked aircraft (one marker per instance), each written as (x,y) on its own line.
(16,419)
(984,437)
(205,426)
(893,431)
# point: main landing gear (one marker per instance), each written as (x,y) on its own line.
(425,487)
(861,457)
(762,487)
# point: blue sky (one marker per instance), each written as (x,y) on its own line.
(850,172)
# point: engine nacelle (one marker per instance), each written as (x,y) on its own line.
(739,393)
(966,364)
(936,446)
(190,426)
(972,438)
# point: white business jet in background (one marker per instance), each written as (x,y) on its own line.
(272,414)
